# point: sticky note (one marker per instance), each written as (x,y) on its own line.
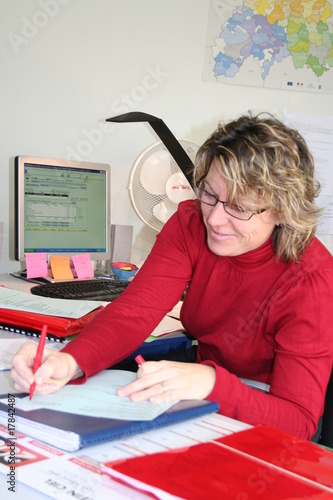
(83,266)
(60,267)
(36,265)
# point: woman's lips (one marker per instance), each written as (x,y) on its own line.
(220,236)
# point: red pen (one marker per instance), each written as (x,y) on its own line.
(38,358)
(139,359)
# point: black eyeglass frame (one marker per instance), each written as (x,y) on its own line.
(226,205)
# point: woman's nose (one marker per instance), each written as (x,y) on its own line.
(217,214)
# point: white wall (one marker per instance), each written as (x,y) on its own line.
(88,60)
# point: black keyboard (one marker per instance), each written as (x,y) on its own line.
(96,289)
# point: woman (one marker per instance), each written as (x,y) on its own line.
(259,290)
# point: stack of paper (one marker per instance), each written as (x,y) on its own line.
(82,415)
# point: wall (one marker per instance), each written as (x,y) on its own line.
(66,65)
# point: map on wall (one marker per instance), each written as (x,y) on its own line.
(273,44)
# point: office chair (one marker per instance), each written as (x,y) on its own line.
(326,437)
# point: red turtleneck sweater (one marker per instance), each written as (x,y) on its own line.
(253,316)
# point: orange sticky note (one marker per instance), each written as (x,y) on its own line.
(60,267)
(36,265)
(82,265)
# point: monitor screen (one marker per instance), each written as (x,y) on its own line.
(62,207)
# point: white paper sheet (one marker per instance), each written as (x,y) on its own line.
(318,133)
(167,325)
(97,398)
(21,301)
(9,347)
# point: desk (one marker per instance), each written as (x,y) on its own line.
(10,281)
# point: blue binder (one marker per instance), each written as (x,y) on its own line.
(71,432)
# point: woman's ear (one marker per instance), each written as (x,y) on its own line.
(277,219)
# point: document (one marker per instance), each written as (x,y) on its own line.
(21,301)
(97,398)
(56,474)
(64,479)
(318,133)
(9,347)
(180,435)
(167,325)
(175,312)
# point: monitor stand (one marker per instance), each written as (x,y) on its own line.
(23,276)
(49,279)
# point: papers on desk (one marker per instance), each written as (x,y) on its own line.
(264,462)
(170,323)
(77,475)
(57,475)
(26,314)
(70,431)
(9,347)
(21,301)
(175,312)
(166,326)
(97,398)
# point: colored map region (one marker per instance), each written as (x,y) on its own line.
(277,44)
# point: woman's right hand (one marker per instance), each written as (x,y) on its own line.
(56,370)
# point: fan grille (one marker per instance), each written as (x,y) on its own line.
(148,180)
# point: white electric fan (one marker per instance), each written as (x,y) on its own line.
(161,176)
(157,184)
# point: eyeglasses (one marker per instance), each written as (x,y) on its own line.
(233,210)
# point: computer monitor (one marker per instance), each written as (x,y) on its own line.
(62,207)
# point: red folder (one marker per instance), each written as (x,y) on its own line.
(232,468)
(56,326)
(290,453)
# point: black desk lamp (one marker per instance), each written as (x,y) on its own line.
(164,133)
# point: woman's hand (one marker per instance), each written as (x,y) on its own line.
(162,381)
(56,370)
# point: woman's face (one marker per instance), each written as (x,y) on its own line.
(226,235)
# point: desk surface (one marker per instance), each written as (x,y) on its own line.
(19,284)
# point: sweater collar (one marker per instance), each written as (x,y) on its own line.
(254,258)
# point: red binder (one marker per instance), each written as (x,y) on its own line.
(27,322)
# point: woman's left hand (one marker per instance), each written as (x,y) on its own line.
(164,381)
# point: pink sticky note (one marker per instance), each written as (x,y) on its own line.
(82,265)
(36,265)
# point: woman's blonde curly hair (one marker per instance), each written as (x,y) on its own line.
(261,155)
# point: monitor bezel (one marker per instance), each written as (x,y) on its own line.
(19,165)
